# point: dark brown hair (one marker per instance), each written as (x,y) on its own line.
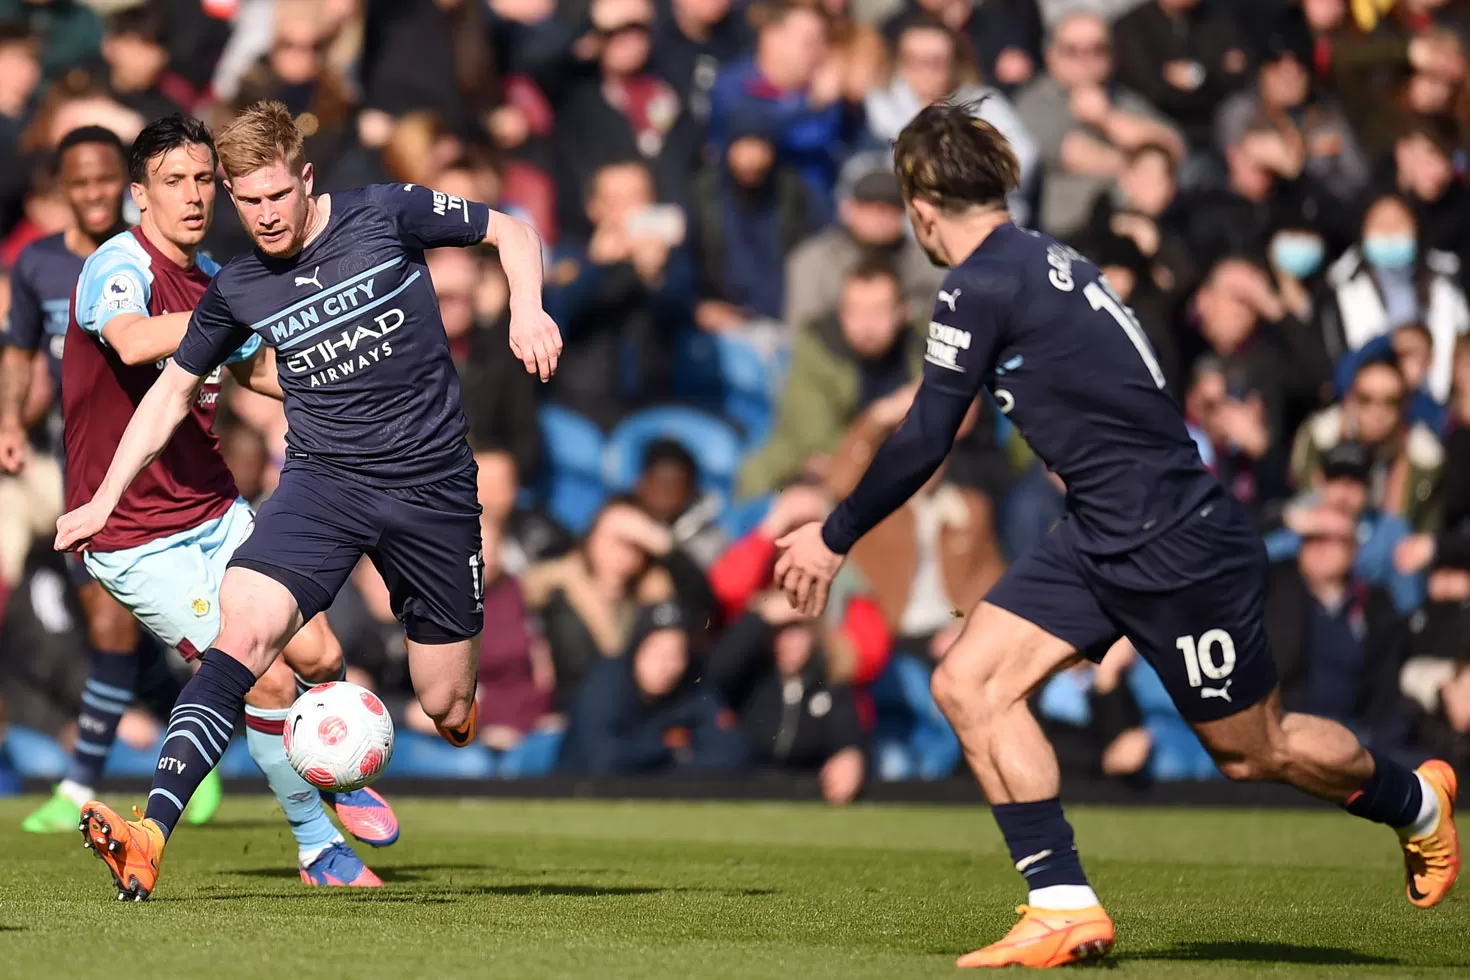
(954,160)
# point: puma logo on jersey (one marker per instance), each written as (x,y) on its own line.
(1222,692)
(948,299)
(312,280)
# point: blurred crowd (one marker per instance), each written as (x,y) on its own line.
(1276,187)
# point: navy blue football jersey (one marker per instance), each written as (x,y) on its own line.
(1036,324)
(41,285)
(370,388)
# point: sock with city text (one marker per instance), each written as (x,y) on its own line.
(1394,795)
(1041,845)
(198,732)
(300,801)
(107,695)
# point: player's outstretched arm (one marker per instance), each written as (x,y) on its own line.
(813,553)
(140,339)
(534,336)
(152,425)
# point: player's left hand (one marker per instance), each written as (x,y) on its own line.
(75,529)
(536,340)
(806,569)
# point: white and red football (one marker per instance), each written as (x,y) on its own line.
(338,736)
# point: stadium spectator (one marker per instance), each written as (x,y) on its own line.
(620,298)
(770,666)
(588,600)
(750,213)
(1340,497)
(1407,458)
(782,78)
(668,488)
(930,65)
(516,677)
(1005,35)
(137,62)
(692,41)
(1184,57)
(1336,638)
(840,366)
(20,73)
(428,55)
(869,226)
(1143,205)
(1315,126)
(69,33)
(1387,280)
(643,712)
(1083,122)
(624,112)
(1422,170)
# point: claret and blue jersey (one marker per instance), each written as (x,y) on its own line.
(370,387)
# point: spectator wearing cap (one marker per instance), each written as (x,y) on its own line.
(1185,57)
(1005,35)
(812,124)
(1388,280)
(1337,639)
(869,228)
(1084,122)
(644,712)
(1315,127)
(625,112)
(692,41)
(932,64)
(770,665)
(842,365)
(1339,501)
(1407,458)
(750,213)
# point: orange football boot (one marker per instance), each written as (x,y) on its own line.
(1432,862)
(1048,937)
(461,737)
(131,849)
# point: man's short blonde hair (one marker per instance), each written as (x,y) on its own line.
(263,134)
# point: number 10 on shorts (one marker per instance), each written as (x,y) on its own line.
(1212,657)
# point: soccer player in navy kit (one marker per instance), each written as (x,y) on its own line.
(1151,548)
(377,459)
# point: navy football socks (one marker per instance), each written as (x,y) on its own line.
(198,732)
(1393,795)
(1041,845)
(107,695)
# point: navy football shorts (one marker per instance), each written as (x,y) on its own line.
(424,541)
(1192,600)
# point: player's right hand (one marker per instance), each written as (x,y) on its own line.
(536,340)
(12,449)
(75,529)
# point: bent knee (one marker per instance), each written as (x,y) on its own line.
(1265,765)
(314,652)
(448,708)
(275,689)
(970,693)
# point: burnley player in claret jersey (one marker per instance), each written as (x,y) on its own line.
(377,459)
(1151,548)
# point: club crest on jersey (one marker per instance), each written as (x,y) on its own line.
(199,607)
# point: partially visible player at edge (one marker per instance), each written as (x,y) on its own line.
(92,170)
(1151,548)
(163,555)
(377,460)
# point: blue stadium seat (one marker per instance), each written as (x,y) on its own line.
(727,376)
(714,444)
(571,482)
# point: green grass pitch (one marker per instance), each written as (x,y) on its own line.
(649,891)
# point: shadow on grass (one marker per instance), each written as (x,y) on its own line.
(1249,952)
(438,879)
